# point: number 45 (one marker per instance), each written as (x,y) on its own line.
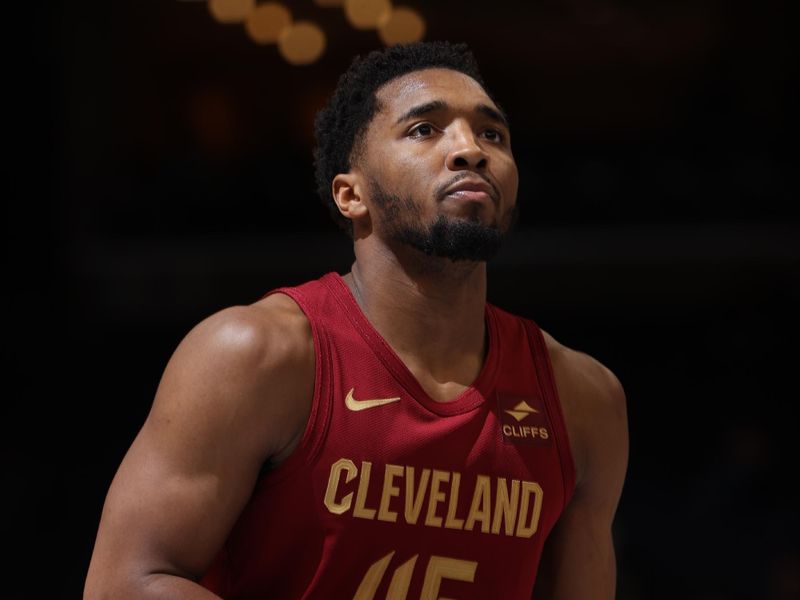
(439,567)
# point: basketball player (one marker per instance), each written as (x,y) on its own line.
(386,433)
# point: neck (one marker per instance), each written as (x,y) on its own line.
(430,310)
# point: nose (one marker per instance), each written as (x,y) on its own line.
(465,152)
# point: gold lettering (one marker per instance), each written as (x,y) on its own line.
(451,522)
(360,510)
(441,567)
(413,504)
(505,507)
(389,491)
(372,578)
(480,509)
(401,580)
(528,488)
(516,511)
(431,520)
(341,507)
(525,431)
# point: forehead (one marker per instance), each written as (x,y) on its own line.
(418,87)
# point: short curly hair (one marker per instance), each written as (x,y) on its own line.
(339,127)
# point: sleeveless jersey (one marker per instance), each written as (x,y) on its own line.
(391,494)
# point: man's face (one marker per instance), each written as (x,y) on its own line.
(440,175)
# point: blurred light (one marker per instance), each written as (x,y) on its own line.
(266,23)
(367,14)
(404,26)
(230,11)
(302,43)
(327,3)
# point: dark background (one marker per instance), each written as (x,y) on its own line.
(161,170)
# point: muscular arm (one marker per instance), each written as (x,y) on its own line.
(236,392)
(578,561)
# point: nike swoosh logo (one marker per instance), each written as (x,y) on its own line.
(357,405)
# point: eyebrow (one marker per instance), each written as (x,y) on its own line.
(440,105)
(492,114)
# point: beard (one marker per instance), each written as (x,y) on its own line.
(455,238)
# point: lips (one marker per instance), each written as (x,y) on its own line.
(471,189)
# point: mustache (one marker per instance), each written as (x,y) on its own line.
(439,193)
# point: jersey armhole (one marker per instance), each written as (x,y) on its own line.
(552,403)
(316,427)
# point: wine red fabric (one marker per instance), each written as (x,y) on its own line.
(409,497)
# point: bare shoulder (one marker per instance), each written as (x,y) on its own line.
(250,364)
(578,559)
(272,329)
(594,405)
(589,380)
(236,392)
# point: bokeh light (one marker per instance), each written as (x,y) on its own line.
(302,43)
(230,11)
(367,14)
(403,26)
(266,23)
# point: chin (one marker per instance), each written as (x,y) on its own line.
(473,212)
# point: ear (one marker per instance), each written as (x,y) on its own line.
(347,190)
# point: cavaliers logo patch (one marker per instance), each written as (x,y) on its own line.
(523,420)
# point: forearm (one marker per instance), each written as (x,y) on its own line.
(156,586)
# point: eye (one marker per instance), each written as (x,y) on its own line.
(493,135)
(421,130)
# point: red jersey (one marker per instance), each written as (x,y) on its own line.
(391,494)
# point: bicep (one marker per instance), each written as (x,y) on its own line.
(578,560)
(192,468)
(168,508)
